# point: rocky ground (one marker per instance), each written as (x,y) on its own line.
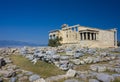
(80,64)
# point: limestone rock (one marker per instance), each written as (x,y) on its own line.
(22,79)
(82,62)
(116,75)
(34,77)
(76,61)
(71,73)
(105,77)
(98,68)
(93,80)
(71,80)
(55,78)
(78,54)
(28,73)
(7,60)
(40,80)
(10,74)
(13,79)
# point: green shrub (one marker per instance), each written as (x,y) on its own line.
(55,42)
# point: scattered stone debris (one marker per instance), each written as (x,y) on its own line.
(101,63)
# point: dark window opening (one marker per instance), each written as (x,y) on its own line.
(85,36)
(81,36)
(88,36)
(92,35)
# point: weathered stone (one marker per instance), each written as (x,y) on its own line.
(14,67)
(30,57)
(34,61)
(107,58)
(93,80)
(82,62)
(88,60)
(116,49)
(55,78)
(116,75)
(40,80)
(71,73)
(50,52)
(76,61)
(98,68)
(64,66)
(92,74)
(7,60)
(13,79)
(34,77)
(19,75)
(78,54)
(103,54)
(29,73)
(117,70)
(57,64)
(3,72)
(10,74)
(56,57)
(83,76)
(105,77)
(101,68)
(22,79)
(93,67)
(71,80)
(111,69)
(96,60)
(69,52)
(64,57)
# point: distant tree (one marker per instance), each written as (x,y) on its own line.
(118,43)
(55,42)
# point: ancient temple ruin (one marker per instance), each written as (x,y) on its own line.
(85,36)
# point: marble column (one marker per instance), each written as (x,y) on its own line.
(82,36)
(115,37)
(86,35)
(96,36)
(90,36)
(93,36)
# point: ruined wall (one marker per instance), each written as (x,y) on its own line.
(106,38)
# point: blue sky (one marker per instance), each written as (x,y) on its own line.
(31,20)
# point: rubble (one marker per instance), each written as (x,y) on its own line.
(74,57)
